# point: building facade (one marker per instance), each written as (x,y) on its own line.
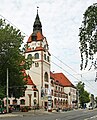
(44,88)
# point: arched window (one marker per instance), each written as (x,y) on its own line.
(14,102)
(46,76)
(29,56)
(22,102)
(36,56)
(37,64)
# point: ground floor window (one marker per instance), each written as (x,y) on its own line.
(22,102)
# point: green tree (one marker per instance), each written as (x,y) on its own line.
(2,93)
(11,56)
(83,94)
(88,36)
(96,101)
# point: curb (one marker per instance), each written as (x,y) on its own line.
(8,115)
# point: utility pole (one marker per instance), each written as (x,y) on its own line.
(96,77)
(7,93)
(78,98)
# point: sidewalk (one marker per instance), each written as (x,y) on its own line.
(29,113)
(8,115)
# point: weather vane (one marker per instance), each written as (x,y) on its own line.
(37,9)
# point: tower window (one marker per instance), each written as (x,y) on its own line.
(29,56)
(36,56)
(44,56)
(48,58)
(34,94)
(37,64)
(34,37)
(46,76)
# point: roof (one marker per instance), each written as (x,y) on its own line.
(29,81)
(39,37)
(36,49)
(62,79)
(27,78)
(28,50)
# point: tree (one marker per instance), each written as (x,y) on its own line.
(11,55)
(2,94)
(83,94)
(96,101)
(88,36)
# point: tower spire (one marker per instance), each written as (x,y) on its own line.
(37,24)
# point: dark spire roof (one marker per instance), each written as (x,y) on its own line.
(37,24)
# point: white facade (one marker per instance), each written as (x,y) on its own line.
(71,91)
(43,84)
(40,66)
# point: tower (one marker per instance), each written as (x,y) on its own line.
(37,48)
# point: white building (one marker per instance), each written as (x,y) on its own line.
(42,83)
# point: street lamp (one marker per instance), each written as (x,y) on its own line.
(7,94)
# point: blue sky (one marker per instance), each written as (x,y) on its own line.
(61,20)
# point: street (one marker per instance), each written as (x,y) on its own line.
(69,115)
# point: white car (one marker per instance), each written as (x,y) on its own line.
(90,108)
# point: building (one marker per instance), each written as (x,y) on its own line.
(43,88)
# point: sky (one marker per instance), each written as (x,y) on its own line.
(61,20)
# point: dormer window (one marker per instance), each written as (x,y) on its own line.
(34,37)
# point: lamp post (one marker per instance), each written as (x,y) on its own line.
(7,93)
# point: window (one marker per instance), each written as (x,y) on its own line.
(51,92)
(44,56)
(36,56)
(34,37)
(29,56)
(52,83)
(22,102)
(37,64)
(14,102)
(55,101)
(48,58)
(56,87)
(45,46)
(46,86)
(29,61)
(61,89)
(46,76)
(46,89)
(34,94)
(64,102)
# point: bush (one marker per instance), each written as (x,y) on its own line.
(24,109)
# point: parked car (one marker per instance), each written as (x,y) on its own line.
(90,108)
(2,110)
